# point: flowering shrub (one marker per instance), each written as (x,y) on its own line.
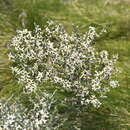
(68,60)
(15,116)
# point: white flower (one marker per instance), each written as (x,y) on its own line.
(104,54)
(114,84)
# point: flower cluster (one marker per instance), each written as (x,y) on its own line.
(17,117)
(68,60)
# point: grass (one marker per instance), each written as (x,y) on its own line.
(114,16)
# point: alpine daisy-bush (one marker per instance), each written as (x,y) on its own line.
(15,116)
(68,60)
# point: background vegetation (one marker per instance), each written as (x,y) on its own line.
(109,14)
